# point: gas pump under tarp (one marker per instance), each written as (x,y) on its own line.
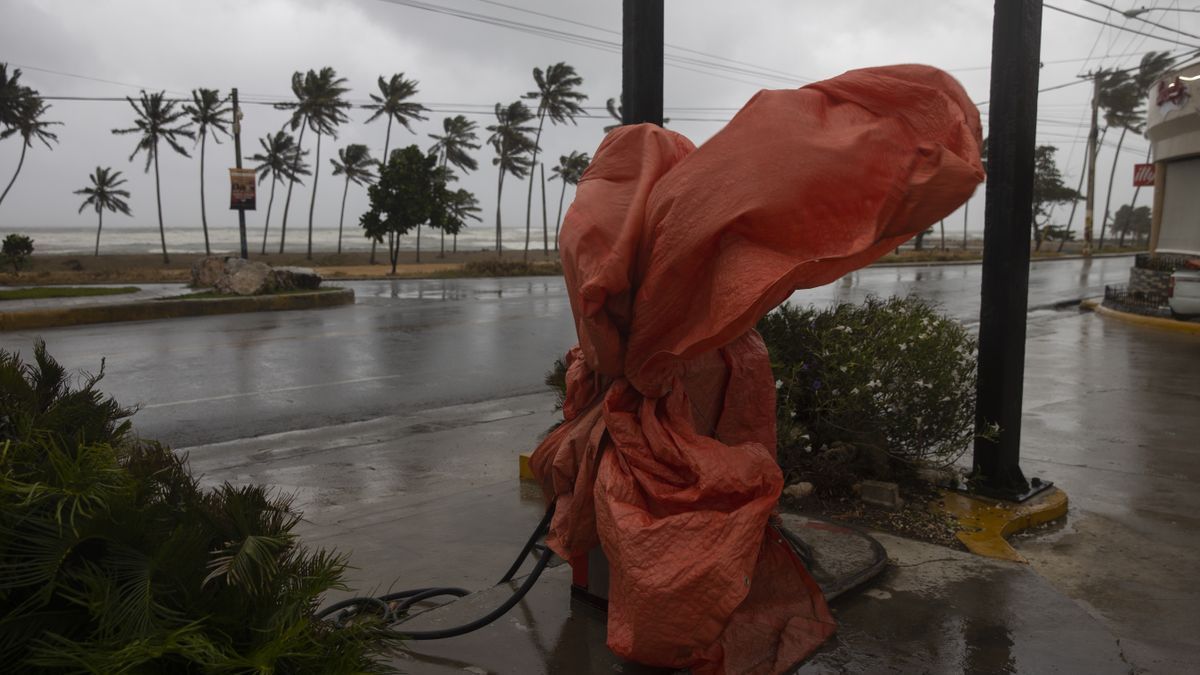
(665,467)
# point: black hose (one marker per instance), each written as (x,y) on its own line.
(491,616)
(352,606)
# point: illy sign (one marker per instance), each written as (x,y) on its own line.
(1143,175)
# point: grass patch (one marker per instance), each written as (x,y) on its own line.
(209,295)
(41,292)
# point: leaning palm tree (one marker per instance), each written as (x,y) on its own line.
(457,137)
(558,99)
(511,140)
(318,106)
(27,123)
(157,120)
(355,164)
(454,209)
(569,170)
(279,160)
(105,195)
(1129,114)
(206,112)
(392,102)
(11,94)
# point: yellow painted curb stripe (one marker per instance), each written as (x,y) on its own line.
(986,522)
(525,469)
(1152,321)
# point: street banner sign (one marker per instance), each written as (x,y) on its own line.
(241,189)
(1143,175)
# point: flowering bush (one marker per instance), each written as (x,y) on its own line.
(891,378)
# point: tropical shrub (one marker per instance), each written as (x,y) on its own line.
(114,560)
(16,250)
(890,378)
(864,388)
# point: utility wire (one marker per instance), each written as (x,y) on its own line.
(1113,25)
(1137,17)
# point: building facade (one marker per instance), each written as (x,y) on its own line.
(1173,125)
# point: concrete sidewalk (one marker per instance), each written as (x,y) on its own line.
(431,498)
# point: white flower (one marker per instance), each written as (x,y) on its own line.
(874,383)
(778,384)
(854,391)
(920,383)
(903,346)
(843,369)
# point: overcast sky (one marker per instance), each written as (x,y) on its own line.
(177,45)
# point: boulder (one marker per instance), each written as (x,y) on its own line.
(243,277)
(295,278)
(798,490)
(207,270)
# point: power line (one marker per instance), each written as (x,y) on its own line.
(1135,17)
(1113,25)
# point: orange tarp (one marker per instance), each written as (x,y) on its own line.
(671,255)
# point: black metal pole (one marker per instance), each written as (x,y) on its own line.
(1008,217)
(642,62)
(237,150)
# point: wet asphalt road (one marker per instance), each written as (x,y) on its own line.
(413,345)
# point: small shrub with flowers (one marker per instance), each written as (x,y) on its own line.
(888,384)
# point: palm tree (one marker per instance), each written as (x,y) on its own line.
(157,120)
(1129,114)
(11,95)
(557,99)
(510,139)
(206,113)
(318,106)
(458,136)
(392,101)
(356,164)
(455,208)
(280,159)
(104,195)
(569,170)
(27,122)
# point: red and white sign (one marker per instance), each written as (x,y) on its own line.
(1143,175)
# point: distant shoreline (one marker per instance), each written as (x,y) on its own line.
(135,268)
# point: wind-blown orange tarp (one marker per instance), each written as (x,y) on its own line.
(671,255)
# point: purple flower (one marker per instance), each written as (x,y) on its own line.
(816,385)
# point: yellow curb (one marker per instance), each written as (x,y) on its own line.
(170,308)
(1190,327)
(525,469)
(986,522)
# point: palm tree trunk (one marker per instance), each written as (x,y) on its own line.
(558,222)
(267,222)
(387,140)
(1112,174)
(342,217)
(287,203)
(545,220)
(942,228)
(393,249)
(1075,202)
(14,178)
(312,202)
(499,195)
(203,214)
(442,253)
(99,226)
(537,142)
(418,242)
(966,212)
(162,232)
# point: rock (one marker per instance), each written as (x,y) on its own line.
(243,277)
(942,477)
(880,493)
(839,453)
(798,490)
(295,278)
(206,271)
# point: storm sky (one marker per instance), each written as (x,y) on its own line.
(113,48)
